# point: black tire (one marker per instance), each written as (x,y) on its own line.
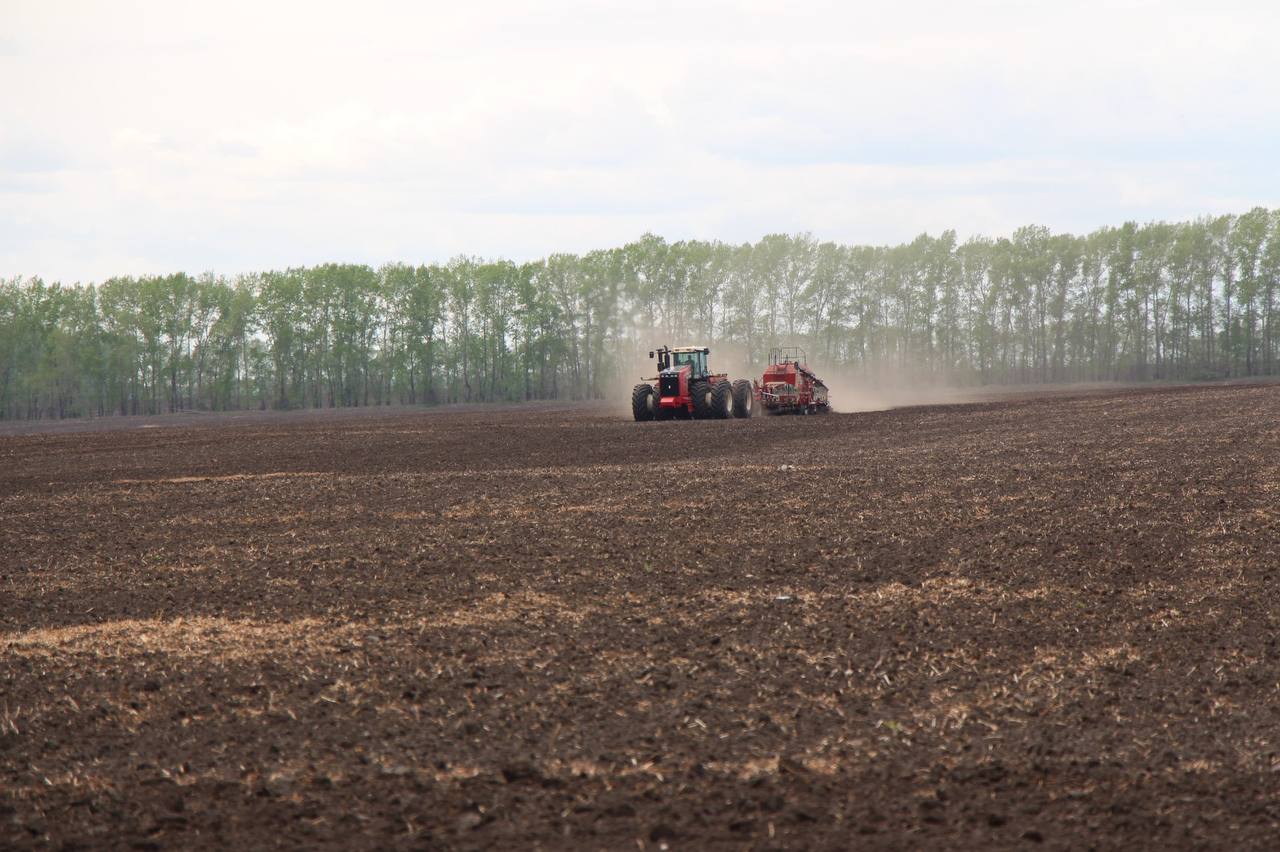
(744,399)
(644,402)
(722,400)
(703,407)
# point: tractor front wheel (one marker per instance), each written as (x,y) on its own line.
(703,405)
(744,400)
(644,402)
(722,400)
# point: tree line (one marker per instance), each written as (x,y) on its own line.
(1188,300)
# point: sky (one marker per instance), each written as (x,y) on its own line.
(140,137)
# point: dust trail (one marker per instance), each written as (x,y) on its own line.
(851,391)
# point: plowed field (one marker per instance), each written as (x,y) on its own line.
(1040,620)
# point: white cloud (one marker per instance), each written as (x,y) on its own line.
(154,136)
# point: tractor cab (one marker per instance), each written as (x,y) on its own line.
(696,359)
(672,360)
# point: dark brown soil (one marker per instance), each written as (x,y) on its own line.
(1048,621)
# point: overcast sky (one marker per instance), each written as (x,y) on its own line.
(155,137)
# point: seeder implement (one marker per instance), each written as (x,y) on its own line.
(789,386)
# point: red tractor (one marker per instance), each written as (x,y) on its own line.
(684,388)
(789,386)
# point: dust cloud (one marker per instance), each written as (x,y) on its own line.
(854,391)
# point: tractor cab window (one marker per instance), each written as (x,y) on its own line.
(697,360)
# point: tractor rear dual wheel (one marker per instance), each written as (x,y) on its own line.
(744,400)
(703,404)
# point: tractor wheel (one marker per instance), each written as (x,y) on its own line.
(722,400)
(703,407)
(744,401)
(644,402)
